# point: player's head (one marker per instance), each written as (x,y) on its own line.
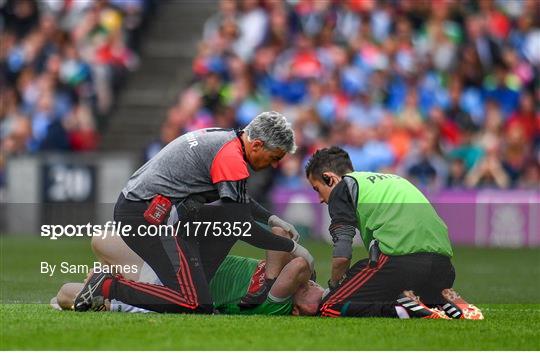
(268,138)
(307,299)
(326,168)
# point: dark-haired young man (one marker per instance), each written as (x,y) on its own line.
(408,244)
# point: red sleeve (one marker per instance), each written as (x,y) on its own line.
(229,163)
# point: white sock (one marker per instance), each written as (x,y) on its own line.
(401,312)
(147,275)
(118,306)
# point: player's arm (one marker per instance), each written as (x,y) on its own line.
(293,275)
(236,202)
(342,229)
(234,196)
(264,239)
(340,265)
(258,211)
(229,174)
(275,262)
(261,214)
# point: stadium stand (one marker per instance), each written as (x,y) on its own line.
(62,63)
(443,92)
(165,66)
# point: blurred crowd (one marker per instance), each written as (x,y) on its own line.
(445,92)
(61,65)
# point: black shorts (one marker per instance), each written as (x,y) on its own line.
(183,264)
(373,291)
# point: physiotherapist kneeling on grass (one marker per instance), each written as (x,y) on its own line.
(408,245)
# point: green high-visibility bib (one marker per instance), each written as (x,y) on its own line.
(393,211)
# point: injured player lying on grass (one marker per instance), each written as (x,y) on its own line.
(238,287)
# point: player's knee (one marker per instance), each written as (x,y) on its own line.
(97,246)
(103,247)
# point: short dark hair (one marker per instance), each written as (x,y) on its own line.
(332,159)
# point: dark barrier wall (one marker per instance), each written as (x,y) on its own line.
(61,189)
(76,189)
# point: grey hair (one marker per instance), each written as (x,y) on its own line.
(274,130)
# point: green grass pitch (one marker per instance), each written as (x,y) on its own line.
(504,283)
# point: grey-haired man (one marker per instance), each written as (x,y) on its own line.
(197,168)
